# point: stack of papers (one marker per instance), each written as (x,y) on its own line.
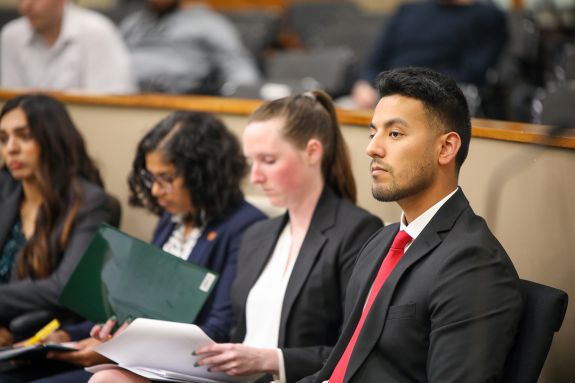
(161,350)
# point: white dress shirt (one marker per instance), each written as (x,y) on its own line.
(89,56)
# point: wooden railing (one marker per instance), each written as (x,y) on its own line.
(491,129)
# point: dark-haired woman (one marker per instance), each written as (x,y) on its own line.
(288,295)
(51,203)
(188,170)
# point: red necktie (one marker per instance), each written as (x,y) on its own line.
(393,256)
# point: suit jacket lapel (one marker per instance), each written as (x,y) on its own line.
(424,244)
(323,218)
(363,275)
(164,232)
(370,265)
(375,320)
(263,249)
(203,248)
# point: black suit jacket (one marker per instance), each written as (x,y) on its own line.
(312,311)
(447,313)
(23,295)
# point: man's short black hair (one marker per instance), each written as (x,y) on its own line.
(440,96)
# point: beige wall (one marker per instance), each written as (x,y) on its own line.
(526,193)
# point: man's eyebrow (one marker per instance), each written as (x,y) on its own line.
(395,121)
(391,122)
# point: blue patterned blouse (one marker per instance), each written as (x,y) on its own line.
(14,243)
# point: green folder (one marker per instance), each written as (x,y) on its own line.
(124,276)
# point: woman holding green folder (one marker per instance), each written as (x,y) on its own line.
(188,170)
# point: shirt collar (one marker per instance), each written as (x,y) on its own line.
(417,225)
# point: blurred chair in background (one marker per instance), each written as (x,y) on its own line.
(554,106)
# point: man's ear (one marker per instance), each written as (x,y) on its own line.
(314,151)
(450,145)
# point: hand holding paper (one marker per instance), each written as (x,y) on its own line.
(160,350)
(103,333)
(237,359)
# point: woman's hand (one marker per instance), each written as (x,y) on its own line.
(238,359)
(59,336)
(103,332)
(6,338)
(84,357)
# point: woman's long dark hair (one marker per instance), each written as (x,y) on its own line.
(204,153)
(63,161)
(312,115)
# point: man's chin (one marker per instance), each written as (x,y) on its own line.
(382,195)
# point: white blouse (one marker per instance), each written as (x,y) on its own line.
(264,303)
(179,245)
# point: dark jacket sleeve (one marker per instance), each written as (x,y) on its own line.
(78,331)
(461,315)
(25,295)
(484,49)
(303,361)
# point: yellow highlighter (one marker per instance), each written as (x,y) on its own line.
(43,333)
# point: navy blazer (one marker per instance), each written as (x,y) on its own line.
(216,249)
(448,312)
(312,308)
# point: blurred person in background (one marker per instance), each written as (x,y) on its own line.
(459,38)
(59,46)
(182,46)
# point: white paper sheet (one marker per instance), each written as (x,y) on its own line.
(162,350)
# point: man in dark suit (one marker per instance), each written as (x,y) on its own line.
(444,305)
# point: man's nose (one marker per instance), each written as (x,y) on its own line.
(375,148)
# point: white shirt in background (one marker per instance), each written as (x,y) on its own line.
(88,56)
